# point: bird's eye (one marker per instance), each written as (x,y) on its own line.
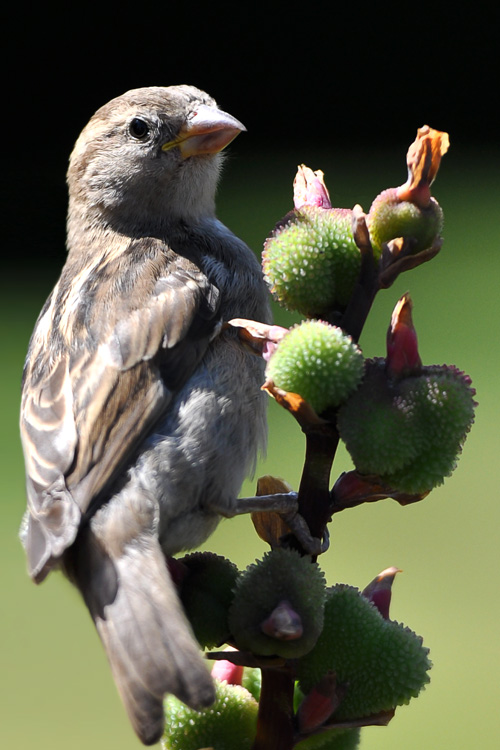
(138,128)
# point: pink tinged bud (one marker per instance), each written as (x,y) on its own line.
(309,189)
(319,704)
(423,160)
(260,337)
(274,336)
(226,671)
(283,624)
(379,590)
(403,358)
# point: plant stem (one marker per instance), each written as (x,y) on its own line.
(367,285)
(275,729)
(314,490)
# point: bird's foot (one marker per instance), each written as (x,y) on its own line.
(285,504)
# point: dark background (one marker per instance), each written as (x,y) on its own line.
(331,77)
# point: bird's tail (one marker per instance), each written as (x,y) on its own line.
(148,641)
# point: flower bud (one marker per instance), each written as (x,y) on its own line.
(409,211)
(383,663)
(319,362)
(379,590)
(311,262)
(403,358)
(281,576)
(309,189)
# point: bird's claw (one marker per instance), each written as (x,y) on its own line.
(286,506)
(312,545)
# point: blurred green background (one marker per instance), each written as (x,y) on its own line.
(56,689)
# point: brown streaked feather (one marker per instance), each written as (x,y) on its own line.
(88,408)
(122,574)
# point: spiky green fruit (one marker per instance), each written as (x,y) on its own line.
(311,262)
(334,739)
(318,361)
(382,663)
(282,575)
(208,588)
(409,432)
(390,217)
(444,413)
(374,424)
(229,724)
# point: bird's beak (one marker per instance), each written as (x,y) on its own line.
(207,131)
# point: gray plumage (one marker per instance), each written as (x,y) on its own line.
(140,414)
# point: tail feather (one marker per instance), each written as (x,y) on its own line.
(148,641)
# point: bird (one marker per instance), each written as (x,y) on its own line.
(141,411)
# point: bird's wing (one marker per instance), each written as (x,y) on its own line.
(88,408)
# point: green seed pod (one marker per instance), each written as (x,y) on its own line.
(208,587)
(334,739)
(382,663)
(408,432)
(281,576)
(390,217)
(375,426)
(230,723)
(311,262)
(443,403)
(319,362)
(409,211)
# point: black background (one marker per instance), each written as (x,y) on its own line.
(333,76)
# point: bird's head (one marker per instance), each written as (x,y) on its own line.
(149,158)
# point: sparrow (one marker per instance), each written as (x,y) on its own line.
(141,412)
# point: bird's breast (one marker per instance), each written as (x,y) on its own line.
(199,454)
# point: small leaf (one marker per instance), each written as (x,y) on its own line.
(269,525)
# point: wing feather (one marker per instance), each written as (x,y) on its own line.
(87,408)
